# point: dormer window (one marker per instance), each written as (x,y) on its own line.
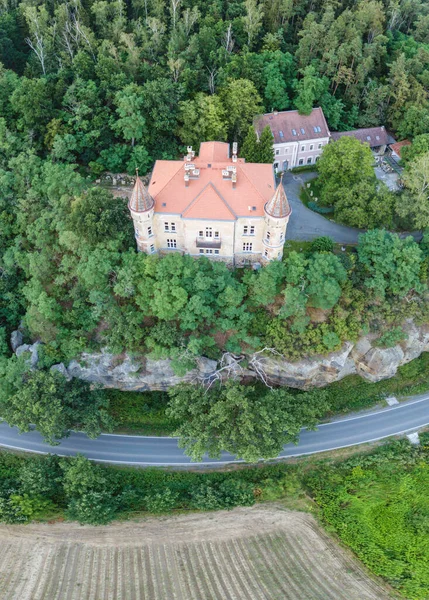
(302,130)
(368,137)
(281,134)
(293,131)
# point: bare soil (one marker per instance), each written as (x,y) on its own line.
(262,553)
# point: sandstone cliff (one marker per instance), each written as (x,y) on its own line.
(363,358)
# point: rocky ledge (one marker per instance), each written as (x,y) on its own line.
(363,358)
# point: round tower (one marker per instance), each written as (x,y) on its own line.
(142,208)
(277,212)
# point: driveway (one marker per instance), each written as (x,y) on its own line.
(304,224)
(361,428)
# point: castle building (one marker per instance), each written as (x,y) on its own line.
(214,204)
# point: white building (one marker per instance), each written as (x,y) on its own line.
(298,139)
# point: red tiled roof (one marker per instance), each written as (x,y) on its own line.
(374,136)
(397,147)
(283,124)
(209,204)
(210,195)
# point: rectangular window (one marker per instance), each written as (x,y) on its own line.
(282,236)
(149,231)
(201,250)
(311,146)
(252,230)
(171,243)
(173,226)
(209,232)
(152,249)
(216,251)
(319,146)
(301,161)
(302,148)
(166,227)
(247,247)
(137,233)
(201,234)
(277,151)
(216,234)
(245,230)
(309,160)
(209,251)
(265,252)
(268,235)
(276,165)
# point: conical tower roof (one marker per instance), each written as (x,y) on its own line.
(278,206)
(141,200)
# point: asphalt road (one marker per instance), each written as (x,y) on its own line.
(305,224)
(163,451)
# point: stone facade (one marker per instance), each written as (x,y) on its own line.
(215,206)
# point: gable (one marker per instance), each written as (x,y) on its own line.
(209,204)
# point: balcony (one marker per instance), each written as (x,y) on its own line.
(203,242)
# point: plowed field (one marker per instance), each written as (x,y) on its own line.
(246,554)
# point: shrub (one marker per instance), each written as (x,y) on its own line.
(322,210)
(322,244)
(161,501)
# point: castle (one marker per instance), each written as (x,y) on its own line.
(215,205)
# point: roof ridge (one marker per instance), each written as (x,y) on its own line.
(198,197)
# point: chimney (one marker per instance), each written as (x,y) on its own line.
(186,177)
(234,179)
(190,154)
(234,152)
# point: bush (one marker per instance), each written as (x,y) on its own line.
(322,244)
(162,501)
(322,210)
(227,494)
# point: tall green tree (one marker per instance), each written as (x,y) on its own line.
(250,425)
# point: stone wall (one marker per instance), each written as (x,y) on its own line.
(363,359)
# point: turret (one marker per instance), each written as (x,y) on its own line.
(141,207)
(277,212)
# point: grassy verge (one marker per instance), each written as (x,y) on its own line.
(140,412)
(143,413)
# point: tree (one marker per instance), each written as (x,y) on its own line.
(131,123)
(265,147)
(53,404)
(242,103)
(258,151)
(99,218)
(203,119)
(419,146)
(247,423)
(253,19)
(325,274)
(414,206)
(391,264)
(91,495)
(309,88)
(249,149)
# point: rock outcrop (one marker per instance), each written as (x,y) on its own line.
(363,358)
(125,373)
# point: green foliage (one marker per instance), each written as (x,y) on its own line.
(51,403)
(247,423)
(378,505)
(322,244)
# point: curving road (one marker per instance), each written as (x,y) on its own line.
(163,451)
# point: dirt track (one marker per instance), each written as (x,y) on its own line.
(262,553)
